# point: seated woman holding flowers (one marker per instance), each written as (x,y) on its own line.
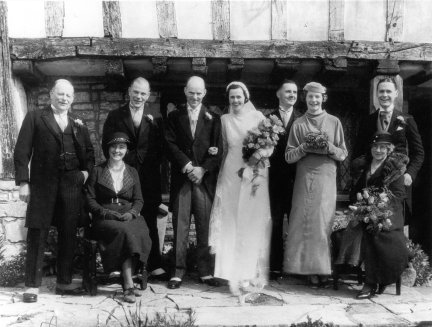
(316,143)
(115,201)
(377,217)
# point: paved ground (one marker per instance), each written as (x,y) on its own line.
(282,303)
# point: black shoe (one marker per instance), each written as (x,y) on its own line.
(74,292)
(173,284)
(161,277)
(367,292)
(129,295)
(381,289)
(275,275)
(210,281)
(30,297)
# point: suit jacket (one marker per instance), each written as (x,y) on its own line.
(280,172)
(183,148)
(100,191)
(39,142)
(146,148)
(406,137)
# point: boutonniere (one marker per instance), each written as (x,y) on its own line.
(149,118)
(213,151)
(401,120)
(79,122)
(208,116)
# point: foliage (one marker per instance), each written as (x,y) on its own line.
(373,209)
(315,323)
(420,263)
(134,318)
(317,141)
(12,270)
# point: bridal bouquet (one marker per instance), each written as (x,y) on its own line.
(258,146)
(317,141)
(373,209)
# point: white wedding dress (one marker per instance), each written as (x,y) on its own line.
(240,223)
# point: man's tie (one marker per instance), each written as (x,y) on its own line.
(136,118)
(385,120)
(193,121)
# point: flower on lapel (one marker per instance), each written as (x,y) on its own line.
(149,118)
(401,120)
(208,116)
(79,122)
(213,151)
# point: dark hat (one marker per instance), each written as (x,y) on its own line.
(118,137)
(382,137)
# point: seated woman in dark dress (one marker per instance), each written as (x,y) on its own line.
(384,254)
(115,201)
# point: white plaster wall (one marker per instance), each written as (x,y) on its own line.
(26,19)
(83,18)
(365,20)
(139,19)
(194,19)
(308,20)
(418,21)
(250,20)
(19,100)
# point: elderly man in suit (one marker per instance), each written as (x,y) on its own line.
(143,125)
(402,126)
(58,146)
(281,174)
(191,131)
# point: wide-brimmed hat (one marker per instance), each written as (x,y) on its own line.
(118,137)
(382,137)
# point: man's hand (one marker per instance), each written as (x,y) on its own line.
(126,216)
(86,175)
(197,174)
(24,192)
(407,180)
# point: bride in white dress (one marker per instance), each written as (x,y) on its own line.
(240,221)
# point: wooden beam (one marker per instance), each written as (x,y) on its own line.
(336,20)
(388,67)
(199,66)
(112,19)
(105,47)
(8,126)
(114,67)
(26,70)
(235,69)
(166,18)
(54,18)
(279,19)
(220,19)
(394,20)
(421,77)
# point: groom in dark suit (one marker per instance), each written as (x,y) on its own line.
(281,174)
(191,131)
(143,126)
(58,146)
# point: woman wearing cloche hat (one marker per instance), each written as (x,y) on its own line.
(316,142)
(115,201)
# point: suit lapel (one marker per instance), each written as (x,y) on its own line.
(106,179)
(185,123)
(144,123)
(200,122)
(50,122)
(127,119)
(128,180)
(392,125)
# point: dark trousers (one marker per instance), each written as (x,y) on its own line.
(280,204)
(192,199)
(66,216)
(150,213)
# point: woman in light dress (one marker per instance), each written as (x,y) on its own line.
(240,222)
(307,246)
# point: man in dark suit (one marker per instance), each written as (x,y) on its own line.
(191,131)
(61,155)
(401,125)
(143,125)
(281,174)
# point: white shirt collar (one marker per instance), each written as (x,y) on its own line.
(196,109)
(286,110)
(59,112)
(389,110)
(134,109)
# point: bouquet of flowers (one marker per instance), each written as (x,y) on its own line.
(257,144)
(317,141)
(373,209)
